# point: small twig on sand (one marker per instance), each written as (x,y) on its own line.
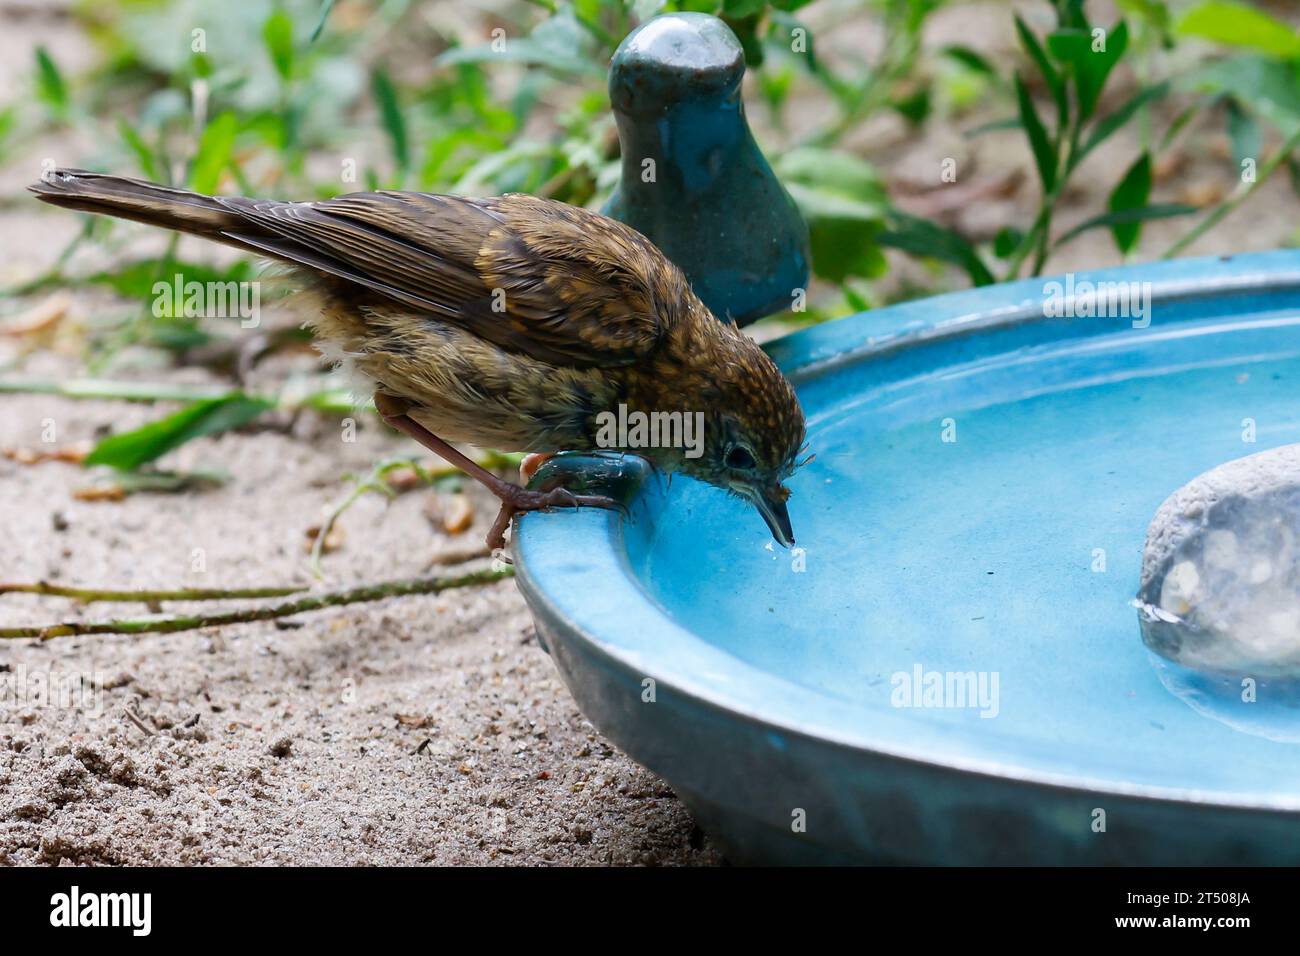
(470,553)
(91,595)
(135,718)
(190,622)
(374,481)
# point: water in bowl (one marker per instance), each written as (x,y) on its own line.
(978,516)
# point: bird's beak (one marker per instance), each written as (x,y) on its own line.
(770,503)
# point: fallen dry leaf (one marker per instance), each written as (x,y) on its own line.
(417,721)
(1169,166)
(403,479)
(1208,192)
(452,513)
(333,541)
(40,317)
(73,454)
(100,493)
(458,515)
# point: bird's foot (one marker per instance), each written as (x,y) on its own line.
(523,500)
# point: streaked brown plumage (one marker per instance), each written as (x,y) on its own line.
(509,323)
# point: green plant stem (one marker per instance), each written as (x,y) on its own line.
(1230,205)
(190,622)
(372,482)
(91,595)
(902,43)
(865,100)
(101,388)
(375,481)
(603,36)
(1027,244)
(1044,240)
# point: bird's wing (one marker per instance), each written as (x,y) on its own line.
(542,278)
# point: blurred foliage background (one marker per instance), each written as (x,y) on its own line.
(930,143)
(304,98)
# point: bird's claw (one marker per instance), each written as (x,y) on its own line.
(523,500)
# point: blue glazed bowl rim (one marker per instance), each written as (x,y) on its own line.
(575,574)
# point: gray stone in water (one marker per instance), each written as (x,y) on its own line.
(1221,569)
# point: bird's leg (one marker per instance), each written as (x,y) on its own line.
(514,499)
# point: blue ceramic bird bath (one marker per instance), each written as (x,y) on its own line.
(951,670)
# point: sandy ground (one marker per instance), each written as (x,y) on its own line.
(416,730)
(427,729)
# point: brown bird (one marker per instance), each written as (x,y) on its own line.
(514,323)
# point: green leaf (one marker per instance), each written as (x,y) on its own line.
(970,59)
(1154,12)
(1239,25)
(1091,67)
(1007,241)
(1100,65)
(842,198)
(390,113)
(994,126)
(1108,125)
(50,87)
(817,203)
(1044,153)
(216,147)
(136,280)
(739,9)
(923,238)
(1268,88)
(775,84)
(845,215)
(1243,131)
(1070,14)
(1067,46)
(559,44)
(913,107)
(143,154)
(1132,192)
(746,30)
(8,122)
(278,34)
(129,450)
(782,33)
(829,170)
(1159,211)
(845,247)
(201,64)
(856,300)
(174,334)
(1055,83)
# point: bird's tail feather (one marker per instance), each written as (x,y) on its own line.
(141,201)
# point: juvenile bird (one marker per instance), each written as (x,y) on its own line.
(510,323)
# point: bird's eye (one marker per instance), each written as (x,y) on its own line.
(739,458)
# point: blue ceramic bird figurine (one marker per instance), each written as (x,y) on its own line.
(693,180)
